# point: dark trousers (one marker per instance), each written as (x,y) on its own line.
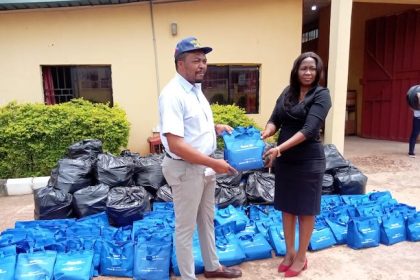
(414,134)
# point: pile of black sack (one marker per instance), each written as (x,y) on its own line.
(83,183)
(229,190)
(341,177)
(88,181)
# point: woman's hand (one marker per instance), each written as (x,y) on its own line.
(265,134)
(268,131)
(270,156)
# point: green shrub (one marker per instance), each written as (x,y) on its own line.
(33,137)
(231,115)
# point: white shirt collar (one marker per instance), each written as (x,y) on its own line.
(188,87)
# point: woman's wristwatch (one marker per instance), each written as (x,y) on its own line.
(278,151)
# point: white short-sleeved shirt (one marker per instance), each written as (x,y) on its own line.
(185,112)
(416,113)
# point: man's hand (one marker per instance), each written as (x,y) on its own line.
(223,127)
(221,166)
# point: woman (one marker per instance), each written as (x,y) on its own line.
(299,114)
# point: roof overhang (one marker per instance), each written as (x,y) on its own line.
(6,5)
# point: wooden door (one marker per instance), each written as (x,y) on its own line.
(391,67)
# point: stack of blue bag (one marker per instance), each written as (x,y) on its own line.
(88,247)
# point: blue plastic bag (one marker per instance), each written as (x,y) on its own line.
(363,232)
(77,265)
(117,259)
(231,214)
(371,209)
(99,219)
(254,245)
(337,220)
(35,265)
(413,227)
(321,238)
(18,237)
(393,228)
(277,240)
(227,246)
(330,201)
(8,262)
(96,246)
(355,199)
(152,261)
(244,148)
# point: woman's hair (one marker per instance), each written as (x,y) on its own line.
(294,74)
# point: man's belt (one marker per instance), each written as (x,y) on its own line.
(169,156)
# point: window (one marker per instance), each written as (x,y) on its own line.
(63,83)
(310,35)
(233,84)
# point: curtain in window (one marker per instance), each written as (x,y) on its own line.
(48,86)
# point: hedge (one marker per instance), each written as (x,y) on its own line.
(34,136)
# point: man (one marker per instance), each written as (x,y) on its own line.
(415,130)
(188,134)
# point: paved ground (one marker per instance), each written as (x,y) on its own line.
(388,168)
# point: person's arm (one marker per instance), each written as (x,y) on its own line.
(178,146)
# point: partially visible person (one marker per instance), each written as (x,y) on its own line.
(299,157)
(188,135)
(415,129)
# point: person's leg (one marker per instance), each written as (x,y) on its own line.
(306,226)
(205,223)
(186,193)
(289,227)
(414,134)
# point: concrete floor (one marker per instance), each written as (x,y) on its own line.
(388,168)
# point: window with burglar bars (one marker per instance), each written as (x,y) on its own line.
(63,83)
(233,84)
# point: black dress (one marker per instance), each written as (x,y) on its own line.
(300,170)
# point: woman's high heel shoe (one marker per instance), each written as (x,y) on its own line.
(283,267)
(292,273)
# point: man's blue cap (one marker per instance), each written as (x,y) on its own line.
(190,44)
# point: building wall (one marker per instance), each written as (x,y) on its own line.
(240,31)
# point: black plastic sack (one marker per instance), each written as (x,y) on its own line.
(164,193)
(51,204)
(349,180)
(53,177)
(412,98)
(228,192)
(328,184)
(74,174)
(114,171)
(127,204)
(260,188)
(225,196)
(148,172)
(85,148)
(128,153)
(90,200)
(333,158)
